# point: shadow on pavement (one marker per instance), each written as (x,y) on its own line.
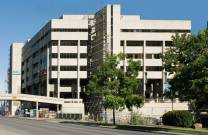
(120,127)
(81,123)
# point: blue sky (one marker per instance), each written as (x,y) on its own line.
(21,19)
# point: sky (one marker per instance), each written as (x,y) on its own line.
(21,19)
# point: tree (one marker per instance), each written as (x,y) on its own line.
(187,61)
(119,89)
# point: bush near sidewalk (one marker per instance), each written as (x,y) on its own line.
(180,118)
(138,119)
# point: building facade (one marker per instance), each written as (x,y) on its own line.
(139,39)
(59,60)
(14,74)
(54,61)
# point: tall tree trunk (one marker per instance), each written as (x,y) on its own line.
(114,119)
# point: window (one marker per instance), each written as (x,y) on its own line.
(69,30)
(156,30)
(148,56)
(54,55)
(68,55)
(154,43)
(168,43)
(138,56)
(35,54)
(134,55)
(157,56)
(83,55)
(152,56)
(122,43)
(141,68)
(129,56)
(134,43)
(27,60)
(51,94)
(53,81)
(83,42)
(54,68)
(68,68)
(35,65)
(67,82)
(69,42)
(153,68)
(35,75)
(54,42)
(83,68)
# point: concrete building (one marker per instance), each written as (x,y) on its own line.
(15,68)
(60,58)
(54,61)
(139,39)
(142,40)
(14,74)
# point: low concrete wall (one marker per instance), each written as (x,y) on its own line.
(74,108)
(151,109)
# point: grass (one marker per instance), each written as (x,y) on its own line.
(143,128)
(164,129)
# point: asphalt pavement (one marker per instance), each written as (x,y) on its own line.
(15,126)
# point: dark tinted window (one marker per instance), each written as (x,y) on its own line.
(68,68)
(134,43)
(68,55)
(154,43)
(153,68)
(69,42)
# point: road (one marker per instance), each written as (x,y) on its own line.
(15,126)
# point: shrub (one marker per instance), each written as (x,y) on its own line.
(180,118)
(204,120)
(138,119)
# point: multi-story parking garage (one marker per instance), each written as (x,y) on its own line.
(58,61)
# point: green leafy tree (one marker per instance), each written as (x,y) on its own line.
(119,89)
(187,60)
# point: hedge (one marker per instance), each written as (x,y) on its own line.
(180,118)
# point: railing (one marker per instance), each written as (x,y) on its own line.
(161,100)
(35,98)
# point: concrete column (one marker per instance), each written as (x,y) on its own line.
(124,51)
(164,75)
(78,70)
(57,108)
(58,70)
(47,70)
(14,105)
(37,112)
(144,69)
